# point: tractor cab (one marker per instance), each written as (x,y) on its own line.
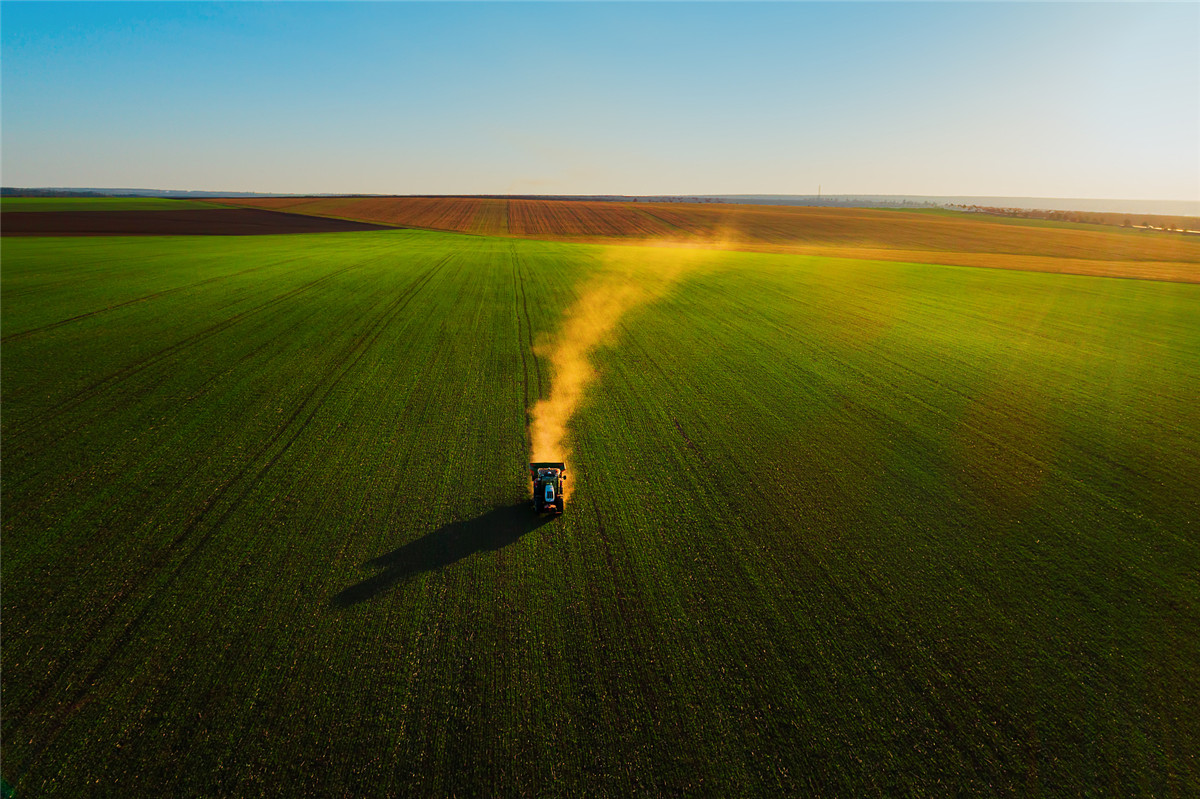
(548,479)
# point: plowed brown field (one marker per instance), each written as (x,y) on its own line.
(955,239)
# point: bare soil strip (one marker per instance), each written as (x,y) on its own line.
(214,222)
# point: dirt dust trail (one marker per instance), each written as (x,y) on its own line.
(630,277)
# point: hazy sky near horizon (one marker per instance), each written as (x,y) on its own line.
(1089,100)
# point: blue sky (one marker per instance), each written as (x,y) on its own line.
(1051,100)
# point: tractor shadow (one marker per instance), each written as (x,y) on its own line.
(493,530)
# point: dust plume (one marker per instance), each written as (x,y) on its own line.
(630,277)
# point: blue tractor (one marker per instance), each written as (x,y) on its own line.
(548,481)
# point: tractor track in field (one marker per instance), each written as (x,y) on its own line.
(687,441)
(526,345)
(354,351)
(517,302)
(75,281)
(198,392)
(644,353)
(349,358)
(902,654)
(916,376)
(632,619)
(537,365)
(637,623)
(124,373)
(869,379)
(152,296)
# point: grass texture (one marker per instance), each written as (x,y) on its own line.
(837,527)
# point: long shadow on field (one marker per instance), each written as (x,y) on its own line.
(493,530)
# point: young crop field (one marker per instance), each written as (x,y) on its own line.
(840,527)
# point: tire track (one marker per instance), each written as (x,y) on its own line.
(517,302)
(643,353)
(19,455)
(348,359)
(141,365)
(537,365)
(131,583)
(355,351)
(636,620)
(902,652)
(602,536)
(153,296)
(91,272)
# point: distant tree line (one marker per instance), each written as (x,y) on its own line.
(8,191)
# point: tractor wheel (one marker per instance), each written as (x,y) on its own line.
(559,504)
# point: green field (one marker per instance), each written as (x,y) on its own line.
(836,527)
(101,204)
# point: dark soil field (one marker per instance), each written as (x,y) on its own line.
(204,222)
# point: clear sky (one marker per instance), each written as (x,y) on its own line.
(1052,100)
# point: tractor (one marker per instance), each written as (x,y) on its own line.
(548,482)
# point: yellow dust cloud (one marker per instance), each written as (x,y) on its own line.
(630,277)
